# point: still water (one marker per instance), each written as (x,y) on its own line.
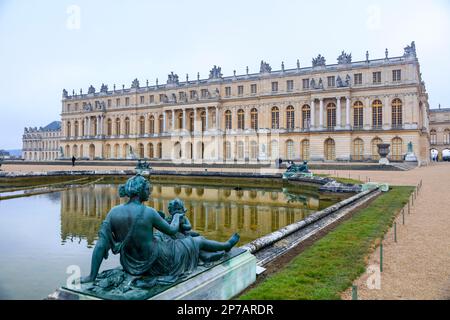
(42,236)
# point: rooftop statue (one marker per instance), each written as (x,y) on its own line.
(104,88)
(172,79)
(344,58)
(91,89)
(319,61)
(65,94)
(410,50)
(151,249)
(135,84)
(215,73)
(265,67)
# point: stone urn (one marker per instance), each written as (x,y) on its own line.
(383,151)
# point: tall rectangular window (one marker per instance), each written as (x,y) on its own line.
(253,88)
(358,79)
(240,90)
(331,81)
(274,86)
(117,102)
(204,93)
(109,102)
(396,75)
(227,91)
(305,83)
(141,100)
(152,99)
(127,101)
(192,94)
(290,85)
(376,77)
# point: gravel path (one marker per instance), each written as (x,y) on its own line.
(418,265)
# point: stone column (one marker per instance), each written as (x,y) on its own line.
(347,113)
(164,122)
(320,113)
(338,113)
(195,121)
(184,119)
(217,119)
(173,119)
(206,119)
(89,127)
(313,114)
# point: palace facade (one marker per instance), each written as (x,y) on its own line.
(42,144)
(326,112)
(440,131)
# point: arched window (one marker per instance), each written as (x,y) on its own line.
(358,115)
(306,116)
(331,116)
(141,126)
(141,150)
(377,114)
(161,123)
(433,137)
(118,130)
(253,150)
(127,126)
(159,150)
(290,117)
(397,149)
(254,118)
(76,129)
(151,125)
(241,119)
(125,151)
(446,136)
(228,120)
(274,151)
(358,149)
(75,151)
(150,151)
(305,150)
(240,150)
(108,151)
(275,118)
(375,142)
(177,150)
(397,113)
(109,127)
(290,150)
(227,150)
(330,149)
(116,151)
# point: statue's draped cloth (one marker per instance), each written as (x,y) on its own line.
(158,256)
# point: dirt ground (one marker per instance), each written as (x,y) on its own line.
(417,266)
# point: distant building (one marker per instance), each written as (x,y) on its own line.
(440,132)
(42,144)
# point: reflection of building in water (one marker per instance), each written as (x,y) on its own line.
(215,212)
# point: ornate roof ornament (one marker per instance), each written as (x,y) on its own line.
(265,67)
(282,66)
(91,89)
(386,53)
(135,84)
(64,93)
(367,56)
(344,58)
(215,73)
(410,51)
(298,64)
(104,88)
(319,61)
(172,79)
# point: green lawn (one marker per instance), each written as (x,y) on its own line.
(330,265)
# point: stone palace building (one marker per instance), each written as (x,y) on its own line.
(326,112)
(440,131)
(42,144)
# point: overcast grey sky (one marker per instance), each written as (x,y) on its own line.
(45,48)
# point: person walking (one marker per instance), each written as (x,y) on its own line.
(73,161)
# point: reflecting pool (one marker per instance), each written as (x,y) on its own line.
(42,236)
